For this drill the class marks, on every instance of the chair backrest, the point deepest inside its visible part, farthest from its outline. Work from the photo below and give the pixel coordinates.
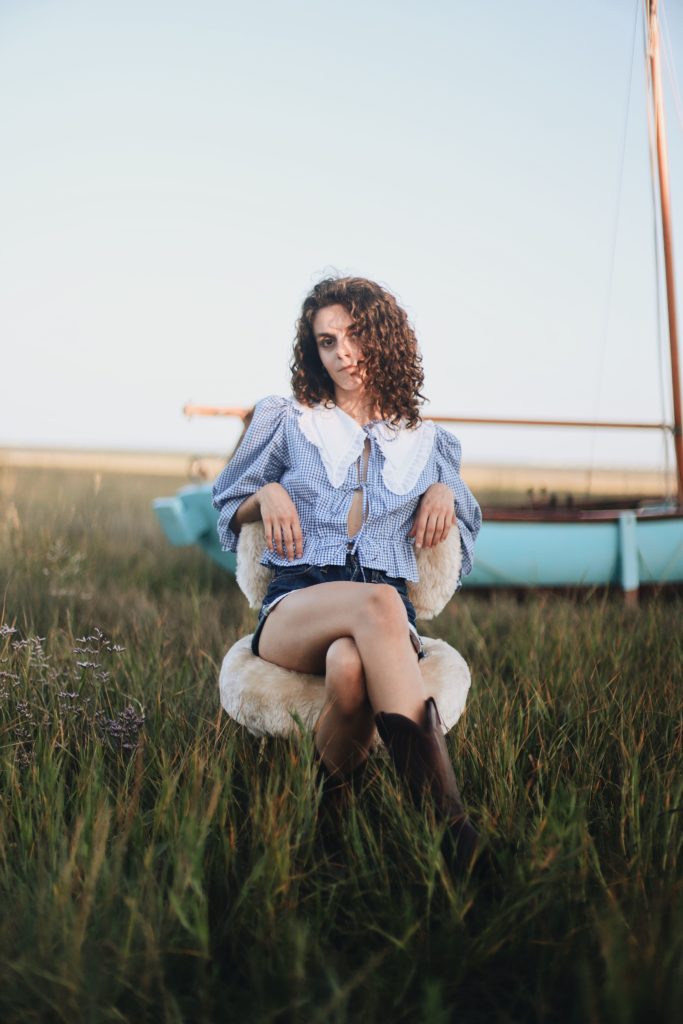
(439, 569)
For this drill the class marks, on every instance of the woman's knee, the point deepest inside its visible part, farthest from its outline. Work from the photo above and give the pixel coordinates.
(345, 678)
(383, 608)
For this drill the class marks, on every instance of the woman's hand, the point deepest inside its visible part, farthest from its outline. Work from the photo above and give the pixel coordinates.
(434, 517)
(281, 525)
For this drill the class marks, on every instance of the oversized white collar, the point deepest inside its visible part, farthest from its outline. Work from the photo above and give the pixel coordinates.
(340, 441)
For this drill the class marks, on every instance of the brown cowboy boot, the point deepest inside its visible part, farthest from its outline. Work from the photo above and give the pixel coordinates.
(421, 759)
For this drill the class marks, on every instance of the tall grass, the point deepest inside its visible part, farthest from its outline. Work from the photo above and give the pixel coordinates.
(157, 863)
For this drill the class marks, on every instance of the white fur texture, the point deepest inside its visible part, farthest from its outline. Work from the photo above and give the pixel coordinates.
(261, 696)
(252, 577)
(439, 569)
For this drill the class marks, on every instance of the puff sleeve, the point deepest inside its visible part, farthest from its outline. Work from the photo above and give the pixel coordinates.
(260, 459)
(467, 511)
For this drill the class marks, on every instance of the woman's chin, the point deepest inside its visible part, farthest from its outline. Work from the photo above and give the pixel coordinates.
(350, 386)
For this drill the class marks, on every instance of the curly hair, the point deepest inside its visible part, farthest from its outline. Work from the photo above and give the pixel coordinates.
(392, 361)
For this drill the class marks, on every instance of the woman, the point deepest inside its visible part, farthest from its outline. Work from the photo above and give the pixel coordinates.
(347, 480)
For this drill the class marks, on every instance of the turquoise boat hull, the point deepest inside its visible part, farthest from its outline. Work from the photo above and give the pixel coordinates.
(628, 548)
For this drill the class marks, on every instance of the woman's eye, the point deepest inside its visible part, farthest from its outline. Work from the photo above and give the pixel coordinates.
(326, 342)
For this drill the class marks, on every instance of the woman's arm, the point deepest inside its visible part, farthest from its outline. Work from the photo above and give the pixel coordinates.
(260, 459)
(465, 505)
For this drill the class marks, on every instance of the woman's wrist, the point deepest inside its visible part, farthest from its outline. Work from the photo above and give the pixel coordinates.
(248, 512)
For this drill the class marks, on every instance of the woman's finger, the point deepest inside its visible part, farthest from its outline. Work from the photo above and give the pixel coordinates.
(418, 529)
(446, 525)
(430, 530)
(445, 522)
(276, 538)
(275, 532)
(298, 539)
(290, 541)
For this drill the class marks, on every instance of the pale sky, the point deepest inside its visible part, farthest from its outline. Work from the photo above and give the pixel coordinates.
(175, 176)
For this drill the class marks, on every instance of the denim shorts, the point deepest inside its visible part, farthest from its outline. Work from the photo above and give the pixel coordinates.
(296, 577)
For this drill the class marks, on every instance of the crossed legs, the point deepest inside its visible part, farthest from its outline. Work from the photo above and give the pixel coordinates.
(356, 634)
(346, 723)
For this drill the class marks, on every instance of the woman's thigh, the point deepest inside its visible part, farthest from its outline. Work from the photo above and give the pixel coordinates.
(300, 628)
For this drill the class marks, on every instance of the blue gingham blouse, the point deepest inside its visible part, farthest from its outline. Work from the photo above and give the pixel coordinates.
(315, 454)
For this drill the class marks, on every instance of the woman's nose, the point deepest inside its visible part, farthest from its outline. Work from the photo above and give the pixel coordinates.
(348, 349)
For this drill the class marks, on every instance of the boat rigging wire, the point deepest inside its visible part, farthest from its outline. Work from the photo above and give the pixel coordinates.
(658, 244)
(612, 259)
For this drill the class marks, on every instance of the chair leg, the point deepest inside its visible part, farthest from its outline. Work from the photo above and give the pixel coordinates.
(421, 759)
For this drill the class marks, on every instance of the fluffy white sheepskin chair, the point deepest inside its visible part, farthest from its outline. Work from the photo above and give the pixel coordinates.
(267, 699)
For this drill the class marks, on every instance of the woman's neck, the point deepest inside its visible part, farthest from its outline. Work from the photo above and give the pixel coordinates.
(360, 407)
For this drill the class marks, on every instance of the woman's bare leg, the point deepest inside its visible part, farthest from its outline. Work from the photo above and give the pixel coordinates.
(301, 628)
(346, 724)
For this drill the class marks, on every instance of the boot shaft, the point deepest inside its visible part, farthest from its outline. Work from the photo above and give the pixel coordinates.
(420, 756)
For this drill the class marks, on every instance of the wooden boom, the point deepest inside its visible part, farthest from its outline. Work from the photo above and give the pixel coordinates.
(241, 413)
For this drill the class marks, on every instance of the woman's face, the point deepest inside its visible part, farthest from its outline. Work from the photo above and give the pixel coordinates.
(339, 352)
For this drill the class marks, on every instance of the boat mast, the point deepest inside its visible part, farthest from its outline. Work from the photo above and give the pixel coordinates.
(663, 167)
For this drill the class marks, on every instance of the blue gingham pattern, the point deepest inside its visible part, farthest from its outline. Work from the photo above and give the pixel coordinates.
(275, 450)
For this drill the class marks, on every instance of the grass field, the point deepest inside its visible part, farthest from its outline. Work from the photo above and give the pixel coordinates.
(159, 864)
